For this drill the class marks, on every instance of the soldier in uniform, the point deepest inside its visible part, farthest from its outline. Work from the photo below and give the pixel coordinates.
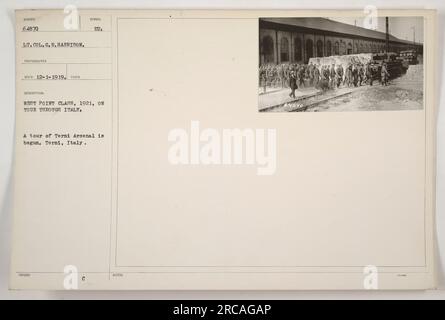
(275, 76)
(287, 70)
(292, 83)
(325, 78)
(263, 77)
(369, 73)
(348, 75)
(307, 75)
(301, 73)
(339, 75)
(311, 74)
(384, 74)
(316, 76)
(355, 75)
(281, 75)
(361, 74)
(332, 74)
(269, 75)
(364, 76)
(297, 74)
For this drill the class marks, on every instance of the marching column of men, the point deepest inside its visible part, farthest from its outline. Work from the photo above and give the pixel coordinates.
(322, 77)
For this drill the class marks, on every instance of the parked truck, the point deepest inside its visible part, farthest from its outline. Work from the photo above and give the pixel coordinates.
(409, 56)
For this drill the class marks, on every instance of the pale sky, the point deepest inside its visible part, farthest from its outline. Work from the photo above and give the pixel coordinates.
(400, 27)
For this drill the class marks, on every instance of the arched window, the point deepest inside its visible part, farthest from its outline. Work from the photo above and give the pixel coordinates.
(349, 48)
(267, 49)
(284, 49)
(336, 48)
(328, 48)
(297, 50)
(356, 48)
(361, 48)
(319, 48)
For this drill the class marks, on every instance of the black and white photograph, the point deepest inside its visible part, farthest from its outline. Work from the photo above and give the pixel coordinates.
(314, 64)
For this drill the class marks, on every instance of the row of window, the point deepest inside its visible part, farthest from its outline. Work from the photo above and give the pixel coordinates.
(337, 49)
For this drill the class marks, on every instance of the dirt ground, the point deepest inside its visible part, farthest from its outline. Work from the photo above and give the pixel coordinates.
(403, 93)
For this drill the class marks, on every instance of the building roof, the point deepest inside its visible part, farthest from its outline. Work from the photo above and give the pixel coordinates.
(334, 26)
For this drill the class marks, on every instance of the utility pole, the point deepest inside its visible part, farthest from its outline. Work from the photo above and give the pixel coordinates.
(387, 34)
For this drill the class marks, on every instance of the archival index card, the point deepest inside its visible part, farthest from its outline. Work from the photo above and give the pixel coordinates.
(223, 150)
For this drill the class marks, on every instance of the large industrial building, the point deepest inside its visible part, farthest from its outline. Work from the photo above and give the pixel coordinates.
(296, 40)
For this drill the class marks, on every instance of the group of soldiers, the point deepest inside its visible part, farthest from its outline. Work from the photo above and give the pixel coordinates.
(322, 77)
